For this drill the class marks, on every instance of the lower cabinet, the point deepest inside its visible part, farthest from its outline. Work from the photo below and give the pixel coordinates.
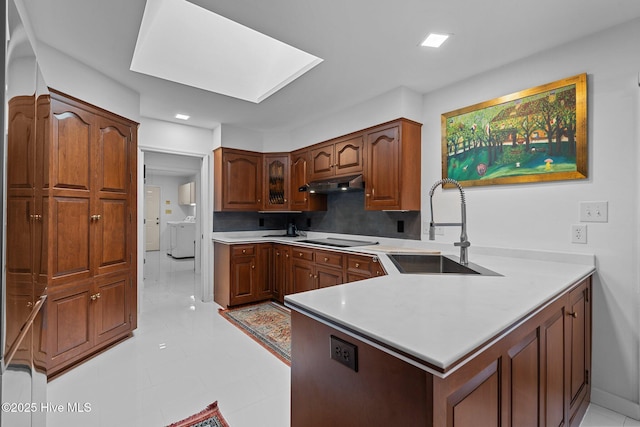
(85, 317)
(253, 272)
(242, 273)
(281, 271)
(535, 375)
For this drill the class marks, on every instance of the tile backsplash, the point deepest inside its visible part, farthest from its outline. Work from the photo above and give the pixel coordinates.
(345, 214)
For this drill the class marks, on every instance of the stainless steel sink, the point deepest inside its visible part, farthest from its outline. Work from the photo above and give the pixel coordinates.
(436, 264)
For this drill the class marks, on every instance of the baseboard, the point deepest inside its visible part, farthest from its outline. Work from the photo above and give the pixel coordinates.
(615, 403)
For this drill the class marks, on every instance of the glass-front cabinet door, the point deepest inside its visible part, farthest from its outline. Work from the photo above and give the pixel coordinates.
(276, 188)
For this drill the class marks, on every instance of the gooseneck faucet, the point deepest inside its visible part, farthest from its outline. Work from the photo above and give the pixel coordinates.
(463, 243)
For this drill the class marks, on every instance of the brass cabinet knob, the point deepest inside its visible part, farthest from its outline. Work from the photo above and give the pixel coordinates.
(285, 200)
(357, 264)
(368, 195)
(244, 251)
(277, 253)
(300, 254)
(253, 266)
(310, 275)
(287, 255)
(326, 259)
(574, 314)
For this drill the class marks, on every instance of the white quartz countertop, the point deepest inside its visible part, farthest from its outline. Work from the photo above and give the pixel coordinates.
(438, 321)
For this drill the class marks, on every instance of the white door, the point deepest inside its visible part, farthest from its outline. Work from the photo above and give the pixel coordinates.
(152, 218)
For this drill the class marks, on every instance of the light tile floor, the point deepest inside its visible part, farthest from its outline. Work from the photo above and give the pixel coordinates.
(182, 357)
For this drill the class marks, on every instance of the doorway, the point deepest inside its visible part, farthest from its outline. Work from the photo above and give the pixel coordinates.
(152, 217)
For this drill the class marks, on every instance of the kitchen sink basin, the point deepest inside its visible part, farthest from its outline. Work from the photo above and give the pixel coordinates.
(436, 264)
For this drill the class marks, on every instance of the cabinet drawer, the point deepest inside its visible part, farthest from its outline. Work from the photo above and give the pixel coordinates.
(239, 250)
(329, 259)
(360, 264)
(301, 253)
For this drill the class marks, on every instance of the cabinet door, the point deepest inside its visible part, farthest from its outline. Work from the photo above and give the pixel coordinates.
(276, 182)
(71, 139)
(112, 307)
(69, 323)
(264, 284)
(243, 279)
(382, 183)
(302, 200)
(326, 276)
(281, 272)
(349, 156)
(242, 181)
(552, 378)
(302, 276)
(523, 367)
(322, 162)
(579, 360)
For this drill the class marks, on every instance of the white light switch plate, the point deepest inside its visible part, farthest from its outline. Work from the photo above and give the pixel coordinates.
(594, 211)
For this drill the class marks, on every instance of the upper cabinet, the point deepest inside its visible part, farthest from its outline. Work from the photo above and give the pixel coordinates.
(187, 194)
(392, 174)
(303, 200)
(276, 182)
(237, 180)
(387, 156)
(338, 157)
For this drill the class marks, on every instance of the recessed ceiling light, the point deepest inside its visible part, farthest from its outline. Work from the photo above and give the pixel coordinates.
(434, 40)
(182, 116)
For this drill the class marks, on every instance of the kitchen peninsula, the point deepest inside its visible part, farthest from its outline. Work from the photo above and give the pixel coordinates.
(445, 350)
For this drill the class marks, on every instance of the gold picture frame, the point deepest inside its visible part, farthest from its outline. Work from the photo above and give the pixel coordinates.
(535, 135)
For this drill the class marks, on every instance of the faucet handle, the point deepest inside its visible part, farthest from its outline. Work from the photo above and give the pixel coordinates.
(463, 244)
(432, 232)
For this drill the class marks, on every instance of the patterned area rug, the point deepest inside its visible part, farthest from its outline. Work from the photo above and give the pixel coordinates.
(267, 323)
(209, 417)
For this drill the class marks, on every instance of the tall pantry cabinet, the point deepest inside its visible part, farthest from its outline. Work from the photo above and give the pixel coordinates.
(84, 205)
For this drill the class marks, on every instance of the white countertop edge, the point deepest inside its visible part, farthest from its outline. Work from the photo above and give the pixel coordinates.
(365, 340)
(231, 237)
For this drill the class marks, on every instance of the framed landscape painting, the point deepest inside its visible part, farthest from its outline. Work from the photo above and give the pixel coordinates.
(538, 134)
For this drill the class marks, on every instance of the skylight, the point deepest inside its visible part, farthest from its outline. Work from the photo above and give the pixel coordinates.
(187, 44)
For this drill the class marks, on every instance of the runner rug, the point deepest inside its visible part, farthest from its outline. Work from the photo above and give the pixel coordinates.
(209, 417)
(267, 323)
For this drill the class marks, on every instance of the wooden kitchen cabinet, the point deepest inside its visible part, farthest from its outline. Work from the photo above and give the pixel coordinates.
(535, 374)
(281, 271)
(78, 192)
(339, 157)
(314, 269)
(242, 273)
(276, 181)
(85, 315)
(360, 267)
(392, 173)
(303, 200)
(237, 180)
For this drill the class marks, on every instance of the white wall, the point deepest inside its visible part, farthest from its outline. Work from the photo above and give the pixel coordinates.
(72, 77)
(539, 216)
(170, 210)
(400, 102)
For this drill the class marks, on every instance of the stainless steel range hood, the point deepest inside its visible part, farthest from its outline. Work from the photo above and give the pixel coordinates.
(345, 183)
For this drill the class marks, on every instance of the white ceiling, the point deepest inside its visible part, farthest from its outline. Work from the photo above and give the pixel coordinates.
(369, 47)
